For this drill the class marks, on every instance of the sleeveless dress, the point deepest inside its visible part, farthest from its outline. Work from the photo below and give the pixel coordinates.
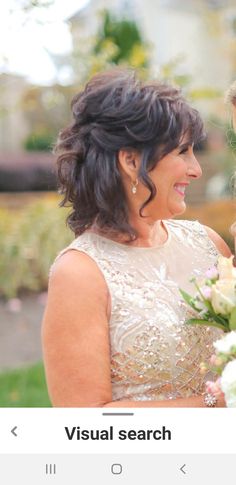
(154, 354)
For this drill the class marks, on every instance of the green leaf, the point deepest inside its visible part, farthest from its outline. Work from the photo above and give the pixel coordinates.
(219, 319)
(232, 320)
(198, 321)
(188, 299)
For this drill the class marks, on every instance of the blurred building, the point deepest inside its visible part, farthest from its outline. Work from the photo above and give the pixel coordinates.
(13, 124)
(202, 31)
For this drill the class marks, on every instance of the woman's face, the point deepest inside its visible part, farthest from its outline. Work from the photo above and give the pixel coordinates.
(172, 174)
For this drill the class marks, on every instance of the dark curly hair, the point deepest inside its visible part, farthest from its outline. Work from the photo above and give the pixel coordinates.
(117, 111)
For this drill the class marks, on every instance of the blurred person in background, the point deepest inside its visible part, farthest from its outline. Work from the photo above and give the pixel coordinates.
(114, 332)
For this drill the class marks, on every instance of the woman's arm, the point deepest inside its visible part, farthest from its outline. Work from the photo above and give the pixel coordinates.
(75, 334)
(220, 244)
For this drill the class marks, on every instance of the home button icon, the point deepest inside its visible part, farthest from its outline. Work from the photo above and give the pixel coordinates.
(116, 468)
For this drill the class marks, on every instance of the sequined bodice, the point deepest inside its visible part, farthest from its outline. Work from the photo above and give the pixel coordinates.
(154, 355)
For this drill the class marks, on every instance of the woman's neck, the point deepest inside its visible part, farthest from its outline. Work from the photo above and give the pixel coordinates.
(149, 235)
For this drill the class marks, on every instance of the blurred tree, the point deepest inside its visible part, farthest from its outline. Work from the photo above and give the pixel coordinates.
(126, 37)
(40, 141)
(118, 41)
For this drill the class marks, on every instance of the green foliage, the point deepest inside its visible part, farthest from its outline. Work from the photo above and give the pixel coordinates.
(25, 387)
(171, 72)
(231, 137)
(125, 36)
(205, 92)
(118, 41)
(29, 241)
(232, 321)
(224, 157)
(39, 142)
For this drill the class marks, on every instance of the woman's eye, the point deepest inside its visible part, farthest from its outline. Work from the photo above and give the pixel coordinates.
(183, 151)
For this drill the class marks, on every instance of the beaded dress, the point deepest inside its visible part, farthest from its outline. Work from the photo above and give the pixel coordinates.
(154, 354)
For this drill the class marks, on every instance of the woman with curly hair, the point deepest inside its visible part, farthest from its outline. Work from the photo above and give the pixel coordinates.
(114, 330)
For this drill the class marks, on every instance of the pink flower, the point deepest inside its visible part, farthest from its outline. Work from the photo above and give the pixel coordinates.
(212, 273)
(206, 291)
(214, 387)
(213, 359)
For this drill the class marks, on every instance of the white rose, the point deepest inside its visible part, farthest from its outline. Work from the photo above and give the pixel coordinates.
(225, 268)
(226, 344)
(228, 384)
(223, 296)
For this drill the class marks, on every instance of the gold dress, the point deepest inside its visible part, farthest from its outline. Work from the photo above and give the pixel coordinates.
(154, 354)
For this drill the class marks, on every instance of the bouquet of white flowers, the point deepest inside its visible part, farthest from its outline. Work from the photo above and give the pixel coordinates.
(223, 362)
(214, 304)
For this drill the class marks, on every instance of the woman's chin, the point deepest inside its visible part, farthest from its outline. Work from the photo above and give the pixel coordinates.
(180, 209)
(172, 211)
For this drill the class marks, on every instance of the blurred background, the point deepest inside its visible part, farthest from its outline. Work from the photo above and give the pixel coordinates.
(48, 50)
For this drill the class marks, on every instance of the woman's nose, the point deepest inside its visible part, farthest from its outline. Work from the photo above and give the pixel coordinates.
(194, 168)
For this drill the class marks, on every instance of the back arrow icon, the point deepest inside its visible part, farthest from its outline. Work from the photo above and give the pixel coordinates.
(13, 430)
(182, 469)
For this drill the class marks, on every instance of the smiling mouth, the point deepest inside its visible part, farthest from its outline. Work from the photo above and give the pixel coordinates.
(180, 189)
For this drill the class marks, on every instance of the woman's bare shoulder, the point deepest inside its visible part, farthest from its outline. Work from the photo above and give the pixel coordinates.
(75, 262)
(219, 242)
(79, 271)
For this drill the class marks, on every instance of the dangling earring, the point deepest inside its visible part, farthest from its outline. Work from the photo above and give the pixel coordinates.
(134, 186)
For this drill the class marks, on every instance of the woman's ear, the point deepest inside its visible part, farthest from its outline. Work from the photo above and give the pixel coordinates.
(129, 162)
